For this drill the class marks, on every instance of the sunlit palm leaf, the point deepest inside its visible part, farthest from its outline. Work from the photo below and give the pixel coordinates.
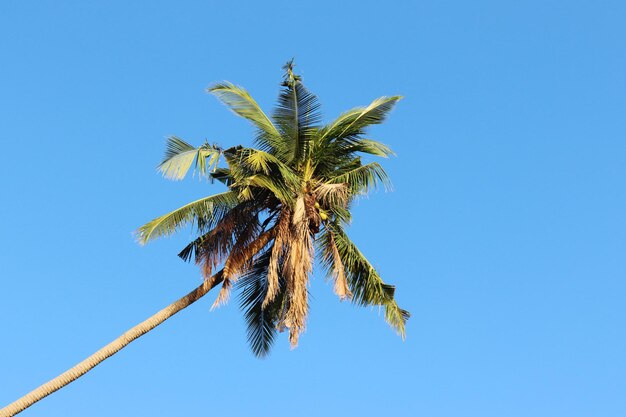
(269, 164)
(371, 147)
(207, 209)
(363, 179)
(180, 156)
(364, 281)
(278, 188)
(240, 102)
(353, 122)
(297, 115)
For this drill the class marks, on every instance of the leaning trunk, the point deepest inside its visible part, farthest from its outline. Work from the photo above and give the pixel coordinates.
(110, 349)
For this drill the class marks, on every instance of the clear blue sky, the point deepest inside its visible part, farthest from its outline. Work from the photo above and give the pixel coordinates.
(505, 235)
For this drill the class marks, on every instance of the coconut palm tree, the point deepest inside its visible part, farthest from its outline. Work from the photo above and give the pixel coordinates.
(287, 199)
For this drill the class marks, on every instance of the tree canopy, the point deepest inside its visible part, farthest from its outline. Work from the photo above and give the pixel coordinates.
(288, 200)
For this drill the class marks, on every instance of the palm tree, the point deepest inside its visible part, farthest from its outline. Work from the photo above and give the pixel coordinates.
(286, 200)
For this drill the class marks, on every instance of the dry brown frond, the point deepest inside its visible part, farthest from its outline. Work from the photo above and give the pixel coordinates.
(332, 194)
(299, 212)
(216, 244)
(297, 267)
(240, 259)
(339, 273)
(238, 253)
(313, 216)
(223, 296)
(282, 237)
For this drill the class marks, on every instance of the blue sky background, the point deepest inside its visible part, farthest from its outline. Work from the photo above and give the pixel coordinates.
(505, 234)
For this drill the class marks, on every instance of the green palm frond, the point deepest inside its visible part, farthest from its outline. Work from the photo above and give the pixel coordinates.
(261, 322)
(353, 122)
(371, 147)
(341, 214)
(244, 162)
(363, 179)
(364, 281)
(262, 161)
(278, 188)
(222, 175)
(206, 209)
(259, 161)
(252, 168)
(297, 115)
(269, 164)
(242, 104)
(179, 156)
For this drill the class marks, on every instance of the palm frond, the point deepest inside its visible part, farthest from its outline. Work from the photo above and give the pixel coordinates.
(241, 259)
(364, 281)
(242, 104)
(217, 240)
(180, 156)
(254, 168)
(345, 154)
(222, 175)
(332, 194)
(297, 115)
(331, 259)
(363, 179)
(272, 184)
(207, 209)
(262, 161)
(353, 122)
(277, 255)
(269, 164)
(260, 320)
(371, 147)
(245, 250)
(297, 266)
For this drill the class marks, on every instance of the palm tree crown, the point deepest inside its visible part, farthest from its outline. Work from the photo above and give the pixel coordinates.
(287, 200)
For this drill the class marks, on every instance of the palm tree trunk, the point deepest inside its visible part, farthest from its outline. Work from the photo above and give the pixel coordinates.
(110, 349)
